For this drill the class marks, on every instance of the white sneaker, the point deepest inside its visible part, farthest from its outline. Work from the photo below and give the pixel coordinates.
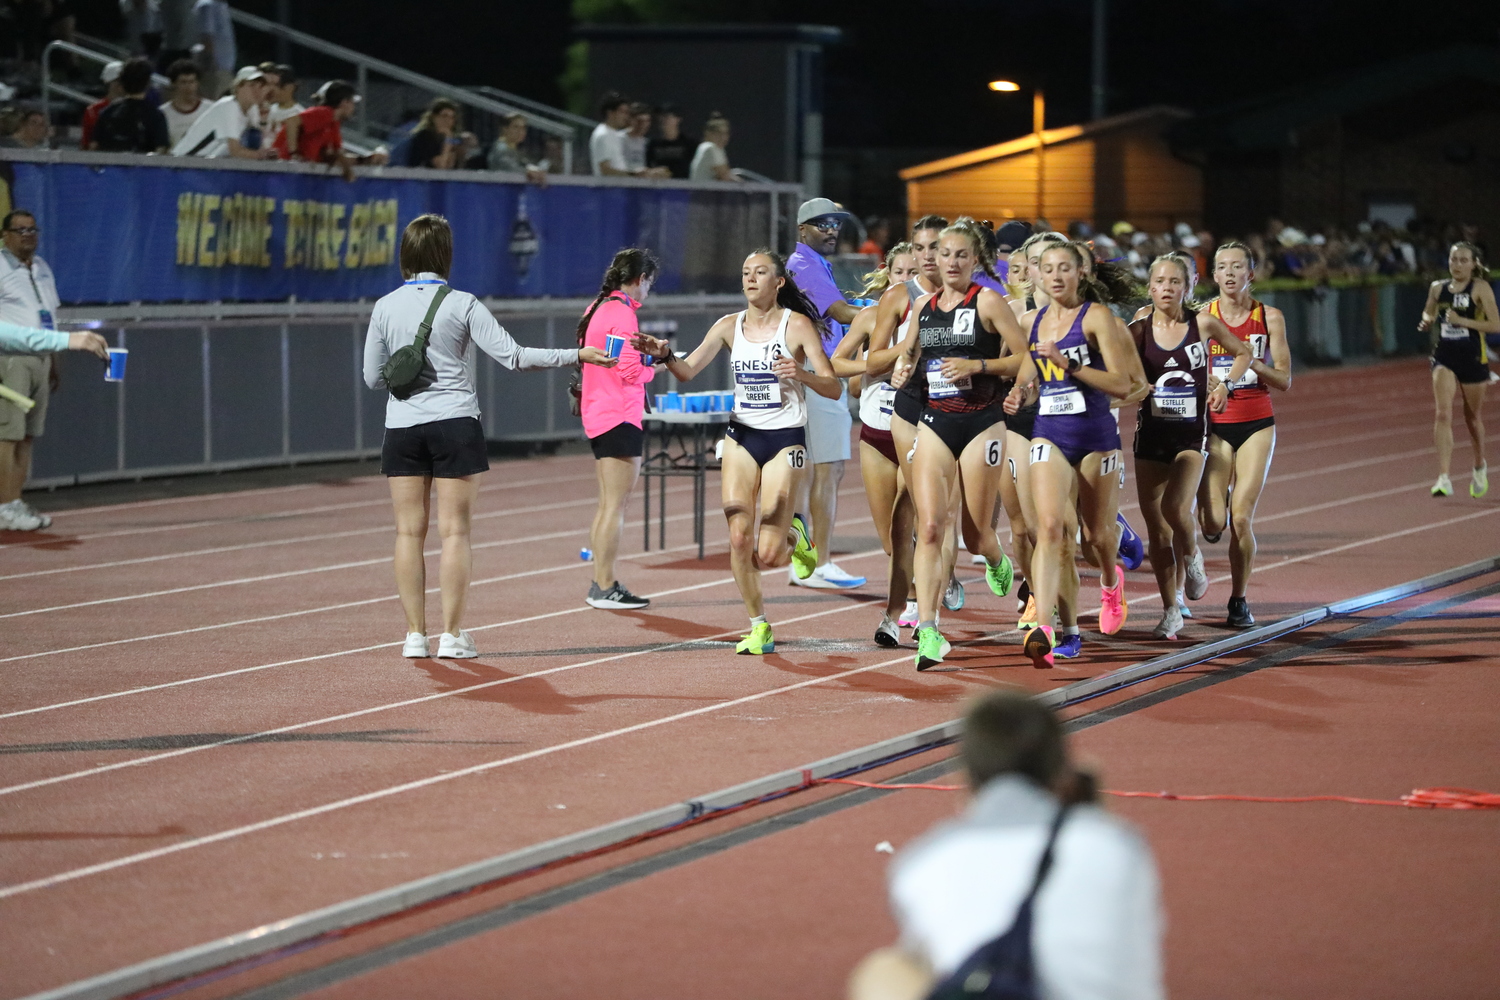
(829, 577)
(44, 518)
(887, 634)
(1197, 580)
(1169, 626)
(456, 647)
(910, 616)
(15, 517)
(416, 646)
(1443, 487)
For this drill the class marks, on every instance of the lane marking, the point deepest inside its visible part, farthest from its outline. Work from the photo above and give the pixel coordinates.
(421, 783)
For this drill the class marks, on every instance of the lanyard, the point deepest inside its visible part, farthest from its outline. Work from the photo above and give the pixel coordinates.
(426, 281)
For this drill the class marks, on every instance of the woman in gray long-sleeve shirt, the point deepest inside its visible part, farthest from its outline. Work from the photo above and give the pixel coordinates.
(434, 432)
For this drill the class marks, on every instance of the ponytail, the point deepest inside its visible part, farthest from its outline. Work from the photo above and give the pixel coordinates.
(629, 266)
(878, 280)
(789, 296)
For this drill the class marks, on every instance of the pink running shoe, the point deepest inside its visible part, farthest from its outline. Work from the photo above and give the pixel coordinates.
(1038, 646)
(1112, 607)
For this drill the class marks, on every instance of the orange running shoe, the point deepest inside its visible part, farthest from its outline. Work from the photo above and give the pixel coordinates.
(1038, 646)
(1112, 607)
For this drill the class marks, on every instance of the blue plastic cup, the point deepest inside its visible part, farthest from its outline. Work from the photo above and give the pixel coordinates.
(117, 358)
(674, 401)
(715, 402)
(726, 401)
(613, 345)
(661, 402)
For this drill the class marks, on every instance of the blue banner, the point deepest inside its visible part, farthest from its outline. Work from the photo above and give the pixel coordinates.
(118, 234)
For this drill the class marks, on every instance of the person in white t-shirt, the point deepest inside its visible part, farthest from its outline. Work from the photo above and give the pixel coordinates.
(1096, 919)
(710, 162)
(220, 130)
(634, 139)
(187, 103)
(281, 93)
(607, 145)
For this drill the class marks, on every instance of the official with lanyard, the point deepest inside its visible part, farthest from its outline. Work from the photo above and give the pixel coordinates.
(28, 298)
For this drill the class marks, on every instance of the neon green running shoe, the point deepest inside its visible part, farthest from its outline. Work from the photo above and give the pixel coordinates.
(931, 647)
(1000, 575)
(804, 555)
(1480, 484)
(758, 641)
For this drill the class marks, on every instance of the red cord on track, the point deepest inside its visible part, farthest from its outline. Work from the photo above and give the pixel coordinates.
(1421, 798)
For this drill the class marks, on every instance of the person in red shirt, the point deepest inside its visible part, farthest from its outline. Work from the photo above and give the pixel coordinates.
(110, 77)
(315, 135)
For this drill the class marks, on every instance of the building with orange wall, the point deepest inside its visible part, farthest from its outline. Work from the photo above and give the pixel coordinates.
(1108, 170)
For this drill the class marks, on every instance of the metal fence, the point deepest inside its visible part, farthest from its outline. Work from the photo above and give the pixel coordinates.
(213, 394)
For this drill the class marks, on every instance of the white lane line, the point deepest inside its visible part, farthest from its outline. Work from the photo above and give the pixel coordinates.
(270, 516)
(223, 835)
(423, 699)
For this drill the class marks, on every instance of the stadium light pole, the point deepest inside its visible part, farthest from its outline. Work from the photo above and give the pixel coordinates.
(1038, 128)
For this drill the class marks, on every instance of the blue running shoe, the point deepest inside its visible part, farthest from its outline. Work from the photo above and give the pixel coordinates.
(1068, 646)
(1132, 551)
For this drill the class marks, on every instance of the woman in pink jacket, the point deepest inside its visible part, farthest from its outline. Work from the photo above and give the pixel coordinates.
(613, 403)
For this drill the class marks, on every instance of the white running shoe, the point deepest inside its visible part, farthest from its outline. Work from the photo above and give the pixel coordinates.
(887, 634)
(1169, 626)
(910, 616)
(44, 518)
(953, 595)
(15, 517)
(415, 647)
(829, 577)
(456, 647)
(1479, 485)
(1443, 487)
(1197, 580)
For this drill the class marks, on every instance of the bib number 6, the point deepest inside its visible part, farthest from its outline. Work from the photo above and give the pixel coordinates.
(994, 450)
(797, 458)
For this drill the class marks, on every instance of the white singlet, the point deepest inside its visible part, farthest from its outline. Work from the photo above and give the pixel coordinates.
(761, 400)
(876, 404)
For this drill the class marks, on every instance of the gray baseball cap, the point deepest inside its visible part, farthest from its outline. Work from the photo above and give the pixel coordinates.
(816, 208)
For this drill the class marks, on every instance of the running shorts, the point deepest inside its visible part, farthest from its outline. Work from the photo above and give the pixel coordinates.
(620, 441)
(443, 449)
(1235, 435)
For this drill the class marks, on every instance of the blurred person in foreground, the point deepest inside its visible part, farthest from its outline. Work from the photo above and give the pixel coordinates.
(315, 135)
(187, 102)
(1070, 890)
(711, 162)
(132, 124)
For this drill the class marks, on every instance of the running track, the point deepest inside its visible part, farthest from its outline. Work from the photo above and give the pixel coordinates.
(207, 726)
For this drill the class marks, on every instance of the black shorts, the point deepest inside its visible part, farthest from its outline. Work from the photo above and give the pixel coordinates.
(958, 429)
(443, 449)
(1022, 420)
(620, 441)
(908, 407)
(766, 445)
(1235, 435)
(1459, 357)
(1159, 441)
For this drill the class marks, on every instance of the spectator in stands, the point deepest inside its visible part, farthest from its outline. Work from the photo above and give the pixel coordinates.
(437, 143)
(710, 162)
(131, 124)
(30, 132)
(315, 136)
(28, 297)
(187, 101)
(607, 143)
(215, 47)
(634, 140)
(219, 131)
(877, 237)
(142, 26)
(1096, 920)
(281, 93)
(506, 155)
(110, 77)
(672, 148)
(176, 31)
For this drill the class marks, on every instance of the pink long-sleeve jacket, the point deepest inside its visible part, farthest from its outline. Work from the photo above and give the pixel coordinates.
(614, 396)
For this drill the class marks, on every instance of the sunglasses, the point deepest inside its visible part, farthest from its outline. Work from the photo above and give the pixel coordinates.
(23, 230)
(824, 225)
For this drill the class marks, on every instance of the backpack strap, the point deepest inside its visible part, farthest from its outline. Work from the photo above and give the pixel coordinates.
(425, 330)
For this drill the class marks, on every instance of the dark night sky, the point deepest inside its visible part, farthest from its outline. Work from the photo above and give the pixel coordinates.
(913, 73)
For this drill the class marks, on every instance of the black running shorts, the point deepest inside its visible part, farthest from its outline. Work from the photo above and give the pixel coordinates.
(443, 449)
(620, 441)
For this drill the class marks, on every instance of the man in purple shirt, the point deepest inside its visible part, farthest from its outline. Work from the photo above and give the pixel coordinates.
(828, 421)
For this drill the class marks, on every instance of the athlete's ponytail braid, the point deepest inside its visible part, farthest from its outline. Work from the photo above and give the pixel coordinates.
(790, 296)
(629, 266)
(978, 238)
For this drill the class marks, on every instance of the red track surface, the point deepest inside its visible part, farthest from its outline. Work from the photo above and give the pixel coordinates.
(207, 727)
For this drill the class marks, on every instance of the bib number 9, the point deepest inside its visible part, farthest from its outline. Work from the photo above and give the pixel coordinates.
(797, 458)
(994, 450)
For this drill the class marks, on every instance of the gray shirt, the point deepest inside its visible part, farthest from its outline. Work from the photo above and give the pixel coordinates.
(461, 323)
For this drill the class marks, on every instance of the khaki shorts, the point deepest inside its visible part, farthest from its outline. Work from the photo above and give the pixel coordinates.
(26, 374)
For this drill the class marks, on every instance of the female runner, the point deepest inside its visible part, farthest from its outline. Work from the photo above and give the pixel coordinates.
(1242, 439)
(1083, 357)
(960, 443)
(1172, 429)
(1464, 316)
(765, 448)
(890, 502)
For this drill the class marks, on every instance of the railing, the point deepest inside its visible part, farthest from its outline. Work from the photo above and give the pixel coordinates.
(364, 65)
(49, 86)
